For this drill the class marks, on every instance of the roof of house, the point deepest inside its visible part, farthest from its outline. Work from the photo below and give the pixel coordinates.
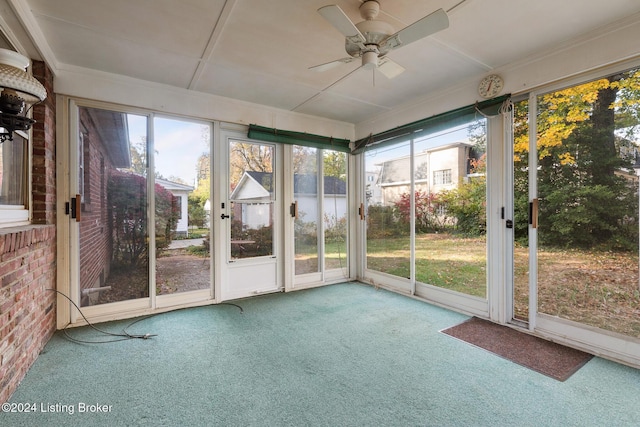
(174, 186)
(302, 183)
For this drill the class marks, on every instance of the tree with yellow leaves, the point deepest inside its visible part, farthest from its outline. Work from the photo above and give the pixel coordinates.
(585, 149)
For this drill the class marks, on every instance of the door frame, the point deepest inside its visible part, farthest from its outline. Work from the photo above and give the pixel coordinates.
(68, 256)
(231, 270)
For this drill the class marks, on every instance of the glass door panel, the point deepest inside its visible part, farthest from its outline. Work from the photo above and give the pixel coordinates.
(388, 178)
(113, 221)
(450, 209)
(587, 143)
(335, 210)
(306, 188)
(521, 211)
(182, 183)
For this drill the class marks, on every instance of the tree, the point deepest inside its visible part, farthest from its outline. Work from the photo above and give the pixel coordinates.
(127, 198)
(245, 156)
(467, 203)
(585, 199)
(196, 202)
(335, 164)
(427, 218)
(138, 151)
(304, 160)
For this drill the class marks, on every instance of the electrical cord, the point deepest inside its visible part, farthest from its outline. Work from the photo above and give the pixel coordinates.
(124, 336)
(117, 336)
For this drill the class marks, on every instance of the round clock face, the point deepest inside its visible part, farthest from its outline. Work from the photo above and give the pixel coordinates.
(490, 86)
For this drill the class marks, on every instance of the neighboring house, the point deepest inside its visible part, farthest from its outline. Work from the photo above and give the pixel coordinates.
(373, 193)
(181, 193)
(252, 197)
(305, 192)
(436, 169)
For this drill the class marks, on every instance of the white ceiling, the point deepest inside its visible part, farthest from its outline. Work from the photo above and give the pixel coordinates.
(261, 50)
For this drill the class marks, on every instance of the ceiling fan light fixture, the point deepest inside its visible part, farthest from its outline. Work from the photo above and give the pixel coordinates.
(17, 88)
(370, 59)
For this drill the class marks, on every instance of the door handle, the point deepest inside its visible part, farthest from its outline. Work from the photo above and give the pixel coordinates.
(293, 209)
(76, 207)
(533, 213)
(223, 216)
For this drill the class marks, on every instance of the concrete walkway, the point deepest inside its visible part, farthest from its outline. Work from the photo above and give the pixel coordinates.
(185, 243)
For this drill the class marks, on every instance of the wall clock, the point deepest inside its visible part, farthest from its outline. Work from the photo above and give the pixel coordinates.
(490, 86)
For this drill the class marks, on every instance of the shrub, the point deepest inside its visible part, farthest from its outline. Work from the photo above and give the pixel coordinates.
(127, 198)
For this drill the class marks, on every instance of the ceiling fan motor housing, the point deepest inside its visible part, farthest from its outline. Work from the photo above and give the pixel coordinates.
(374, 33)
(371, 39)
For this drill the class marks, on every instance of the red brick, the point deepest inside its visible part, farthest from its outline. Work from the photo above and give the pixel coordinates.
(28, 257)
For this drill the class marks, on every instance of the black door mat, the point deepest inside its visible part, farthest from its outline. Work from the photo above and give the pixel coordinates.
(545, 357)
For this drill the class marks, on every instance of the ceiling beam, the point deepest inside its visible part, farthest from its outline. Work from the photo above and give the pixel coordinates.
(211, 44)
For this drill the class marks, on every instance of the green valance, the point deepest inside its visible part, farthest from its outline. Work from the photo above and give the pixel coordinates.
(262, 133)
(431, 124)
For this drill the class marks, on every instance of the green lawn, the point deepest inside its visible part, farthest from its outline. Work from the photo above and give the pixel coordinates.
(594, 288)
(442, 260)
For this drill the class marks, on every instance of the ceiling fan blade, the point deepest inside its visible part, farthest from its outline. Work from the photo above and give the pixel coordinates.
(342, 23)
(430, 24)
(389, 68)
(332, 64)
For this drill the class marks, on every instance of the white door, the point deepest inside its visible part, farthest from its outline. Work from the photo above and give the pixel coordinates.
(251, 218)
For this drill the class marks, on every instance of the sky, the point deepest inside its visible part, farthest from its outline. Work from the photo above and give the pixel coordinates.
(436, 139)
(177, 145)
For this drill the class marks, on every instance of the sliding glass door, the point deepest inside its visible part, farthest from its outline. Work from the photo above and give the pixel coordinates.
(426, 220)
(139, 230)
(587, 189)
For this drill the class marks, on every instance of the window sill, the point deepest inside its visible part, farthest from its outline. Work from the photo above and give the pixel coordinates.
(15, 238)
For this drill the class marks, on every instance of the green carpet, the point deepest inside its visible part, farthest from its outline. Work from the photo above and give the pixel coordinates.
(341, 355)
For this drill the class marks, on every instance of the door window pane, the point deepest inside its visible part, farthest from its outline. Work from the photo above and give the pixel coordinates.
(251, 195)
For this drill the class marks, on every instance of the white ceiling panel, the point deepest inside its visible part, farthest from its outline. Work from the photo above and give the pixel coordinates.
(179, 26)
(261, 51)
(337, 107)
(250, 84)
(84, 48)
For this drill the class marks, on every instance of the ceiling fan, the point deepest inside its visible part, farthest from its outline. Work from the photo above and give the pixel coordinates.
(372, 39)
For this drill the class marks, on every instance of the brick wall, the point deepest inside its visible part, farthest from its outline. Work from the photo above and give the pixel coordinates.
(44, 151)
(95, 233)
(28, 257)
(27, 308)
